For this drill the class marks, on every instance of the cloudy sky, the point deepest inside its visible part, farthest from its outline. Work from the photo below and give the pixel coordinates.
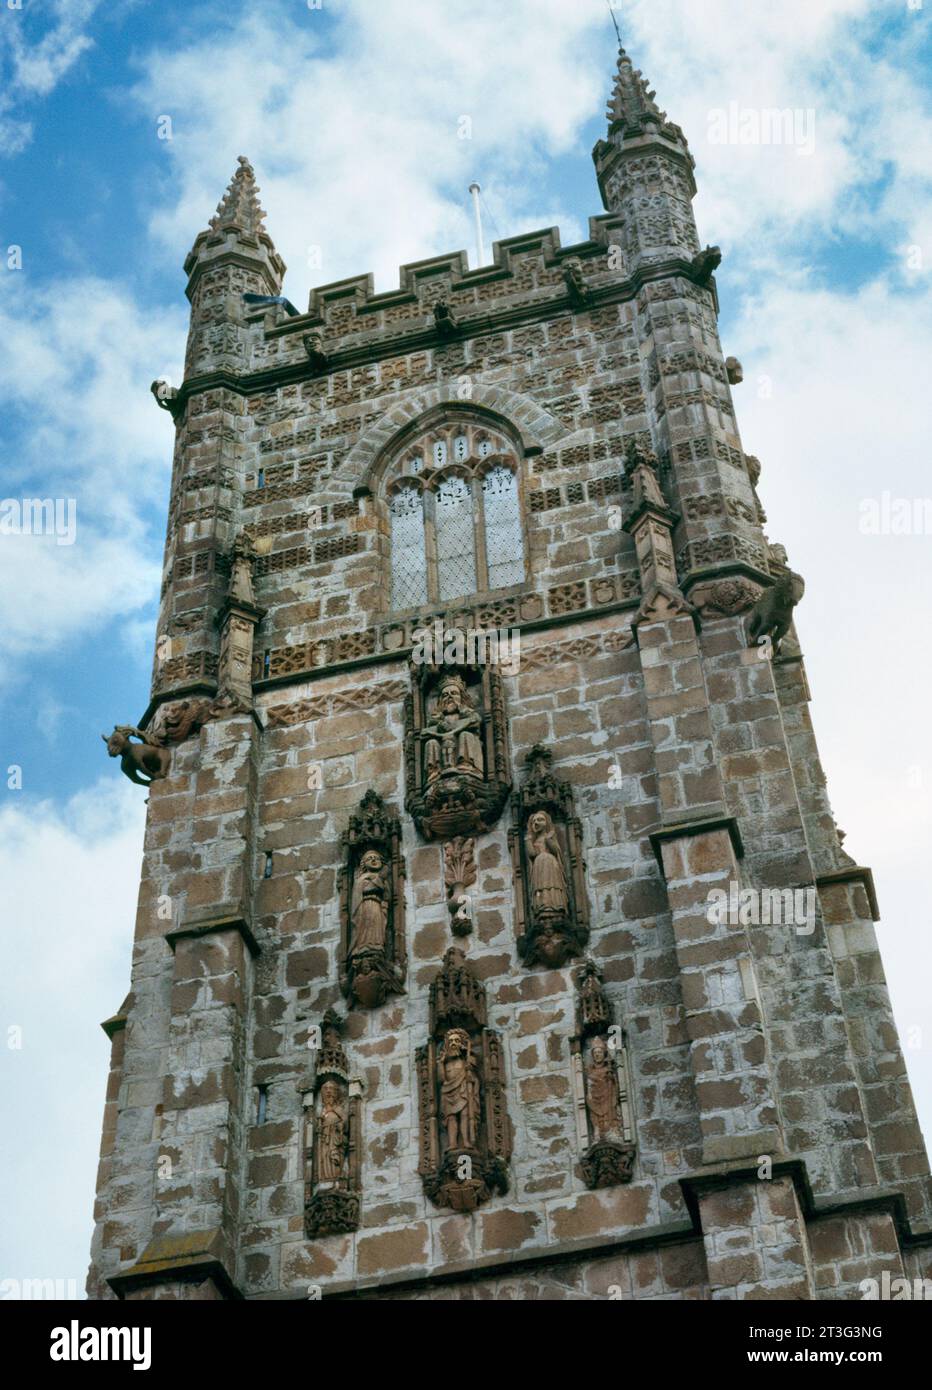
(352, 113)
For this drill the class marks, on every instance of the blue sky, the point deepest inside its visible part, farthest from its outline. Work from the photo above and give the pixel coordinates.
(351, 116)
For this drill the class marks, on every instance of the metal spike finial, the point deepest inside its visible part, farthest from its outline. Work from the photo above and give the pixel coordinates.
(614, 21)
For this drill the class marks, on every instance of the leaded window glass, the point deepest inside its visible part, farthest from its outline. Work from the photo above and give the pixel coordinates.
(456, 554)
(454, 533)
(503, 545)
(409, 562)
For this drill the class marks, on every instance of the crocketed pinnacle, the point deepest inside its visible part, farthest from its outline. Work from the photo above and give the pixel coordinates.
(239, 207)
(631, 98)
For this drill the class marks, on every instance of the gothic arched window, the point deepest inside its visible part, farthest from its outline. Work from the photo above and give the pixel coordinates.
(453, 501)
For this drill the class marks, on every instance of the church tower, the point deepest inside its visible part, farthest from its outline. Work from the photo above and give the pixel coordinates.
(494, 934)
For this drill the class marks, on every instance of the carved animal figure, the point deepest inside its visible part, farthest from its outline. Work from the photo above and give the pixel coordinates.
(136, 758)
(773, 612)
(706, 263)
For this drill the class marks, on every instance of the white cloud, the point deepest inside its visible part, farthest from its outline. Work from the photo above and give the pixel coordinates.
(70, 879)
(77, 362)
(358, 152)
(32, 68)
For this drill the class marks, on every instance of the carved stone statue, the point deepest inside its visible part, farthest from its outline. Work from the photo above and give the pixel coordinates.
(372, 906)
(465, 1133)
(601, 1085)
(451, 740)
(332, 1102)
(459, 1090)
(772, 614)
(602, 1090)
(545, 841)
(241, 587)
(331, 1153)
(138, 758)
(370, 903)
(457, 763)
(549, 897)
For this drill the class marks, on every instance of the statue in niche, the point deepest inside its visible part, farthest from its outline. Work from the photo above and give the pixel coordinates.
(465, 1132)
(372, 906)
(451, 738)
(370, 903)
(601, 1086)
(549, 896)
(331, 1124)
(459, 1090)
(457, 765)
(143, 762)
(545, 840)
(332, 1101)
(602, 1091)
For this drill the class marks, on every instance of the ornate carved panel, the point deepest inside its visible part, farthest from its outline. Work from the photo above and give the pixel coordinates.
(373, 954)
(601, 1086)
(332, 1138)
(457, 764)
(465, 1131)
(545, 840)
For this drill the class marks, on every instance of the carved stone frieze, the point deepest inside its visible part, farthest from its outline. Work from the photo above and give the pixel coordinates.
(726, 597)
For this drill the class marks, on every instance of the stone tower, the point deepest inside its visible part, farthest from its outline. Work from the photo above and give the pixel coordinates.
(495, 937)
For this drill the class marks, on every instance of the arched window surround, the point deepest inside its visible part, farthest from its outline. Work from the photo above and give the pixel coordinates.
(498, 561)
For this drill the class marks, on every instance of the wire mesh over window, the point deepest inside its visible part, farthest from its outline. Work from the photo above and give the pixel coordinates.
(503, 543)
(409, 563)
(456, 558)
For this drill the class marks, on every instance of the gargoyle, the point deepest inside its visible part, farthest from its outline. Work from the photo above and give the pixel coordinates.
(314, 347)
(136, 758)
(576, 286)
(167, 396)
(444, 318)
(706, 263)
(773, 612)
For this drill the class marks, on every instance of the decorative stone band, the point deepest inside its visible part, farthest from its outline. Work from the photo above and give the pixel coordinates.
(396, 636)
(389, 691)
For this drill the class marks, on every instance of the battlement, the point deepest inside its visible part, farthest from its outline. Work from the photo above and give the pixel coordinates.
(526, 271)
